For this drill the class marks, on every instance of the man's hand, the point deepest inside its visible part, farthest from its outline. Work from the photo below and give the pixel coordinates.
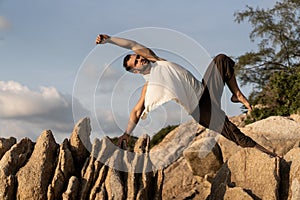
(101, 38)
(125, 137)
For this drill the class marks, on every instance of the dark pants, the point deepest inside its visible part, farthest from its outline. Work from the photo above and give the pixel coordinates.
(212, 116)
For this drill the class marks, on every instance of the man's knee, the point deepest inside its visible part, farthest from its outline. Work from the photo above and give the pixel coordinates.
(225, 66)
(220, 57)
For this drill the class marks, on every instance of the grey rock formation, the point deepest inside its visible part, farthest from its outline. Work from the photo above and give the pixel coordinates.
(80, 144)
(35, 176)
(73, 189)
(190, 163)
(293, 180)
(5, 144)
(254, 171)
(64, 169)
(10, 163)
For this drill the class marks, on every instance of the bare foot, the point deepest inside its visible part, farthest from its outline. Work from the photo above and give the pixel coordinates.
(240, 98)
(234, 99)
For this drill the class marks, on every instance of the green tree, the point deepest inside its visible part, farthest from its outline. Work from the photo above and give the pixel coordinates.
(277, 33)
(280, 96)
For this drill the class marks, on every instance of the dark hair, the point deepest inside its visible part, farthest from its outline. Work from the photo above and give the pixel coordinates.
(125, 60)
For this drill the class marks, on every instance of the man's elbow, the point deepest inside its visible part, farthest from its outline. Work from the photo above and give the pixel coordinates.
(138, 112)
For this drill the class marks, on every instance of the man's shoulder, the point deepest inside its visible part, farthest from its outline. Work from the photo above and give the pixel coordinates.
(164, 62)
(169, 64)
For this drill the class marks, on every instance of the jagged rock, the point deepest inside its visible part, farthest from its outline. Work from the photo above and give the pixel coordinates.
(109, 180)
(145, 182)
(142, 181)
(134, 164)
(10, 163)
(6, 144)
(80, 144)
(72, 191)
(106, 152)
(204, 156)
(101, 194)
(64, 169)
(254, 171)
(159, 177)
(179, 181)
(132, 179)
(7, 189)
(39, 169)
(98, 191)
(114, 185)
(16, 157)
(236, 193)
(88, 172)
(171, 170)
(293, 181)
(142, 145)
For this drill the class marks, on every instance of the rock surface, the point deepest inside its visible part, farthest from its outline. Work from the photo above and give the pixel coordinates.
(64, 169)
(236, 193)
(34, 178)
(258, 175)
(10, 164)
(204, 156)
(292, 157)
(80, 144)
(190, 163)
(6, 144)
(277, 133)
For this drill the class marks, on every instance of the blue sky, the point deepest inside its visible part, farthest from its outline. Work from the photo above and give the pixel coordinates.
(44, 43)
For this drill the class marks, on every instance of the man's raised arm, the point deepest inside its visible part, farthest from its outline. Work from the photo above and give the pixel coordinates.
(128, 44)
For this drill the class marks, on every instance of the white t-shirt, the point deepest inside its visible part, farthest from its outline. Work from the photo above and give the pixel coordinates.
(169, 81)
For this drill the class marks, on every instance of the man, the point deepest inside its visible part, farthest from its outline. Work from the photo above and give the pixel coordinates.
(167, 81)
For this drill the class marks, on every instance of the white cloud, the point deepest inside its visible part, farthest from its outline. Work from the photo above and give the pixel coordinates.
(26, 113)
(18, 101)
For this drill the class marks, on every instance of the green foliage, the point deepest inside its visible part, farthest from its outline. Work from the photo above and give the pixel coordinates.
(273, 68)
(281, 96)
(158, 137)
(277, 32)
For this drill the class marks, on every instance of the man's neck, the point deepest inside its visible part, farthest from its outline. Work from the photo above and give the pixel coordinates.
(147, 69)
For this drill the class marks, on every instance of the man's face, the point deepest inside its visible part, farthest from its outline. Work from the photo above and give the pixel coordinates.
(137, 63)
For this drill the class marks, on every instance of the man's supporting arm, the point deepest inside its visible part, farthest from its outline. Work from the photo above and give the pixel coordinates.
(134, 117)
(136, 112)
